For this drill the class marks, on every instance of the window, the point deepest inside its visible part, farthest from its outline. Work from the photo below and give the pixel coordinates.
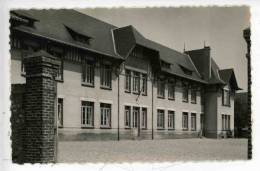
(185, 93)
(127, 80)
(60, 71)
(193, 96)
(144, 118)
(225, 97)
(202, 97)
(136, 82)
(135, 117)
(185, 121)
(161, 89)
(60, 112)
(105, 110)
(88, 73)
(171, 91)
(193, 122)
(87, 114)
(171, 120)
(127, 116)
(106, 76)
(160, 119)
(144, 84)
(225, 122)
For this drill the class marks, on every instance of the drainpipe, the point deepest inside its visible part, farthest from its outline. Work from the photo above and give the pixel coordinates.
(152, 110)
(118, 112)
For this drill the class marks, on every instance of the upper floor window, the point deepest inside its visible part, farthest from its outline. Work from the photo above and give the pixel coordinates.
(185, 93)
(88, 73)
(144, 84)
(202, 97)
(160, 119)
(87, 114)
(106, 76)
(171, 91)
(127, 80)
(225, 97)
(60, 112)
(161, 89)
(136, 82)
(193, 96)
(105, 111)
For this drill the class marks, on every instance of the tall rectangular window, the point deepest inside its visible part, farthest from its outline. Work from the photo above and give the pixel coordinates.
(144, 84)
(171, 120)
(161, 89)
(136, 82)
(185, 93)
(127, 116)
(135, 116)
(88, 73)
(127, 80)
(225, 122)
(87, 114)
(185, 121)
(144, 118)
(105, 111)
(228, 122)
(60, 112)
(106, 76)
(202, 97)
(193, 122)
(171, 91)
(225, 97)
(160, 119)
(193, 96)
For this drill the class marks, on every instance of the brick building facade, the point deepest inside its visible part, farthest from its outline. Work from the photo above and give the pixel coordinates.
(113, 83)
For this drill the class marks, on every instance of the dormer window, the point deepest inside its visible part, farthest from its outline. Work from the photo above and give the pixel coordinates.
(79, 37)
(165, 64)
(21, 18)
(186, 70)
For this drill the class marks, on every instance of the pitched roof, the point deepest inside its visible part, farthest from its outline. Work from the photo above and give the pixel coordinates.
(228, 76)
(51, 25)
(127, 37)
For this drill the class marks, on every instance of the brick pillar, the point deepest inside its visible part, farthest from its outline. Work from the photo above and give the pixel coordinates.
(40, 92)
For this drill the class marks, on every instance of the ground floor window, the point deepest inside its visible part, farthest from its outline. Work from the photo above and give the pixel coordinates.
(225, 122)
(144, 118)
(160, 119)
(105, 110)
(193, 122)
(87, 114)
(135, 117)
(127, 116)
(185, 121)
(171, 120)
(60, 112)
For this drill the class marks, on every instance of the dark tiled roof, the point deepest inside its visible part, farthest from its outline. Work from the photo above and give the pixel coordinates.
(51, 25)
(228, 76)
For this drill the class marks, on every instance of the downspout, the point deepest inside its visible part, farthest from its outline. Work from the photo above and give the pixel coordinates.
(118, 112)
(152, 110)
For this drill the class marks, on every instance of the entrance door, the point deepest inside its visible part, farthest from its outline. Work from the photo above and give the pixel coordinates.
(136, 121)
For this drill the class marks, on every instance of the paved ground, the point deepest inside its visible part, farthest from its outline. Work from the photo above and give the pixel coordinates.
(152, 151)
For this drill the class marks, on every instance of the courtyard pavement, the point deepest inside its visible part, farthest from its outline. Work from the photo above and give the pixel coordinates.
(152, 150)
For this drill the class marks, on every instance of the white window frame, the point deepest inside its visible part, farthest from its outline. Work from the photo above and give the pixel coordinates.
(105, 115)
(225, 97)
(185, 93)
(88, 76)
(171, 91)
(193, 121)
(185, 121)
(87, 114)
(105, 76)
(136, 82)
(160, 119)
(144, 118)
(128, 78)
(171, 119)
(127, 116)
(160, 88)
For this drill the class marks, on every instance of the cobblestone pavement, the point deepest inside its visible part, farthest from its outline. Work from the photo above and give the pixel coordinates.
(152, 150)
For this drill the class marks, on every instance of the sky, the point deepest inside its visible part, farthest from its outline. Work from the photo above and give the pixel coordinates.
(221, 28)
